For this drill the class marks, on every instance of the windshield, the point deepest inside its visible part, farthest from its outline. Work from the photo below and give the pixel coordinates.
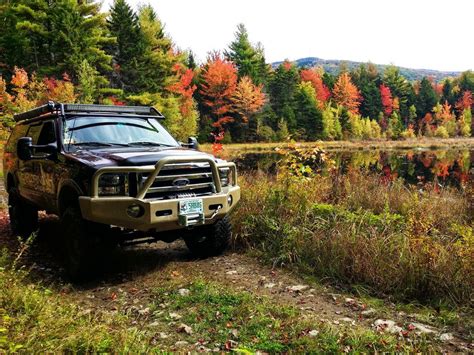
(119, 131)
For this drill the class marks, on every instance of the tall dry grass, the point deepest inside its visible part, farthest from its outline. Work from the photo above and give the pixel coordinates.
(411, 243)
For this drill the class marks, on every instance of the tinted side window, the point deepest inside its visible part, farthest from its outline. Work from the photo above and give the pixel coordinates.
(17, 132)
(47, 134)
(34, 132)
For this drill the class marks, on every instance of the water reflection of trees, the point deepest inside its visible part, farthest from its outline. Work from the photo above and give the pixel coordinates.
(442, 167)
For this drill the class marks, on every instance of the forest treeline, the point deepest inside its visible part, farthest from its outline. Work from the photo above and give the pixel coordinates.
(70, 50)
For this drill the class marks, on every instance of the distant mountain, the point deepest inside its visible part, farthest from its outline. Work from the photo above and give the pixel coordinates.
(332, 66)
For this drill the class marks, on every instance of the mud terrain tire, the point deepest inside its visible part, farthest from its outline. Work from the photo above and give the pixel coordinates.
(210, 240)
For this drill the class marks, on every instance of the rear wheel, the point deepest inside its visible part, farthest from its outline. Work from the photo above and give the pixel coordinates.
(210, 240)
(23, 216)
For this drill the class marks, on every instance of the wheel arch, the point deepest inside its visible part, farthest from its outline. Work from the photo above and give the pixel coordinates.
(68, 195)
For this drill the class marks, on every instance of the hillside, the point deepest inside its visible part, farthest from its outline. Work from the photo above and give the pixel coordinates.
(332, 66)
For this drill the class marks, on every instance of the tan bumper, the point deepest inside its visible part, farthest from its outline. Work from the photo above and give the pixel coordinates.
(159, 215)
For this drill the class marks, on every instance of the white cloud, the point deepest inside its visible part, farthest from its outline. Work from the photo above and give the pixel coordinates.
(427, 34)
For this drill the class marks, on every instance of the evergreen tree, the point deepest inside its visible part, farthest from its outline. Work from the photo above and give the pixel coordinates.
(249, 60)
(309, 117)
(63, 34)
(282, 88)
(426, 98)
(371, 103)
(126, 51)
(400, 88)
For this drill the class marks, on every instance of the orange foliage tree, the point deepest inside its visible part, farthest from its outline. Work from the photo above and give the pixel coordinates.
(465, 101)
(314, 77)
(346, 93)
(219, 81)
(247, 99)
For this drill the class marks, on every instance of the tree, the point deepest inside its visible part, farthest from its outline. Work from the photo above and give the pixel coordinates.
(387, 101)
(219, 81)
(314, 77)
(346, 93)
(426, 98)
(88, 83)
(366, 78)
(331, 125)
(282, 89)
(308, 116)
(400, 87)
(249, 60)
(64, 33)
(124, 24)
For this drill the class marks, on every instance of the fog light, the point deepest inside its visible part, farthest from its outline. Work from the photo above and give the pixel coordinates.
(135, 211)
(229, 200)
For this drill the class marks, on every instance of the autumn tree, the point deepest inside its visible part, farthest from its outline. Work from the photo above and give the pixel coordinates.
(400, 88)
(346, 93)
(218, 84)
(313, 76)
(387, 101)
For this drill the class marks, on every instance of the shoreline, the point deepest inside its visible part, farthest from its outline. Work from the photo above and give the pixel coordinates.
(423, 143)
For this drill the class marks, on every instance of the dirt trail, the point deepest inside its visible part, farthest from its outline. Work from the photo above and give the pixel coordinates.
(131, 274)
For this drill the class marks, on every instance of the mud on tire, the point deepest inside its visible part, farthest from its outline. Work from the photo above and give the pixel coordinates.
(209, 240)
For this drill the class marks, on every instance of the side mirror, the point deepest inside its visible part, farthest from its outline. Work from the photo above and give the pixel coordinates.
(193, 143)
(23, 148)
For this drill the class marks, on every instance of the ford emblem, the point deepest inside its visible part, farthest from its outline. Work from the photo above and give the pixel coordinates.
(179, 182)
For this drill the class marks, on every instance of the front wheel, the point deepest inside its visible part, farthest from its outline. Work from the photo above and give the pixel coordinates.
(210, 240)
(23, 216)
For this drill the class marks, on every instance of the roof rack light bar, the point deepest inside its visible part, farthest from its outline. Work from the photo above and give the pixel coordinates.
(83, 108)
(136, 110)
(36, 112)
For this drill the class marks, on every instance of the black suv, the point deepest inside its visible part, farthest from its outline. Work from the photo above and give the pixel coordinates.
(113, 174)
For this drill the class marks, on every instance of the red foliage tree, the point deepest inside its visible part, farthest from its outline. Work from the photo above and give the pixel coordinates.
(465, 101)
(184, 87)
(387, 101)
(314, 77)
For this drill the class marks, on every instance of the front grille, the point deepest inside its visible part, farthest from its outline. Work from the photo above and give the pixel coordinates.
(178, 180)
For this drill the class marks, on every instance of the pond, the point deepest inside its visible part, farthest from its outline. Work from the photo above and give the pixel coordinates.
(453, 167)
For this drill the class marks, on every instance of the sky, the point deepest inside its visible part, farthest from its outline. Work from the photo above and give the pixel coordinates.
(409, 33)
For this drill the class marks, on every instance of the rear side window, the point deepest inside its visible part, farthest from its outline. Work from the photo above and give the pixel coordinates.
(47, 134)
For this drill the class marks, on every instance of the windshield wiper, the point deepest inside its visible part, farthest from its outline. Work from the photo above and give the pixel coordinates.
(98, 144)
(151, 143)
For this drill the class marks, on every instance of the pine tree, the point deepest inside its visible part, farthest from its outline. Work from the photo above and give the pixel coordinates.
(126, 51)
(249, 60)
(367, 82)
(309, 117)
(282, 88)
(400, 88)
(426, 98)
(63, 34)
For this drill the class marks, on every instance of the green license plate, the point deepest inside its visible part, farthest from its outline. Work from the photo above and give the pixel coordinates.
(187, 207)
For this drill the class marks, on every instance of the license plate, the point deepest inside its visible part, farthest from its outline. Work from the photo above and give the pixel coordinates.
(187, 207)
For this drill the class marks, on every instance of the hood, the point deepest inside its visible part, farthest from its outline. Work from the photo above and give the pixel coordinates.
(133, 157)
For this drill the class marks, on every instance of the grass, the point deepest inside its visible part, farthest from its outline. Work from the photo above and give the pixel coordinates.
(358, 229)
(34, 318)
(422, 143)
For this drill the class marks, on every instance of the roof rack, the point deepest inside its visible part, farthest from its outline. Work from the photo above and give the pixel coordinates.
(50, 107)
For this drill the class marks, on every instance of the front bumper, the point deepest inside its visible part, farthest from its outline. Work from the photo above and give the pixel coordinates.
(159, 215)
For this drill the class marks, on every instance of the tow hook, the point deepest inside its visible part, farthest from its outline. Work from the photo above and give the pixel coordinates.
(216, 211)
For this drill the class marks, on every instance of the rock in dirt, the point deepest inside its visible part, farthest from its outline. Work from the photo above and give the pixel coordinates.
(231, 272)
(313, 333)
(183, 292)
(269, 285)
(181, 343)
(175, 316)
(386, 325)
(183, 328)
(422, 328)
(368, 312)
(446, 337)
(297, 288)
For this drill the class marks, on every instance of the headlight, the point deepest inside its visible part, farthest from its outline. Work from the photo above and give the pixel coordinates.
(225, 175)
(113, 185)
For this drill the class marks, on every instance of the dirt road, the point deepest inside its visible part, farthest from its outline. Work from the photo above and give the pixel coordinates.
(127, 280)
